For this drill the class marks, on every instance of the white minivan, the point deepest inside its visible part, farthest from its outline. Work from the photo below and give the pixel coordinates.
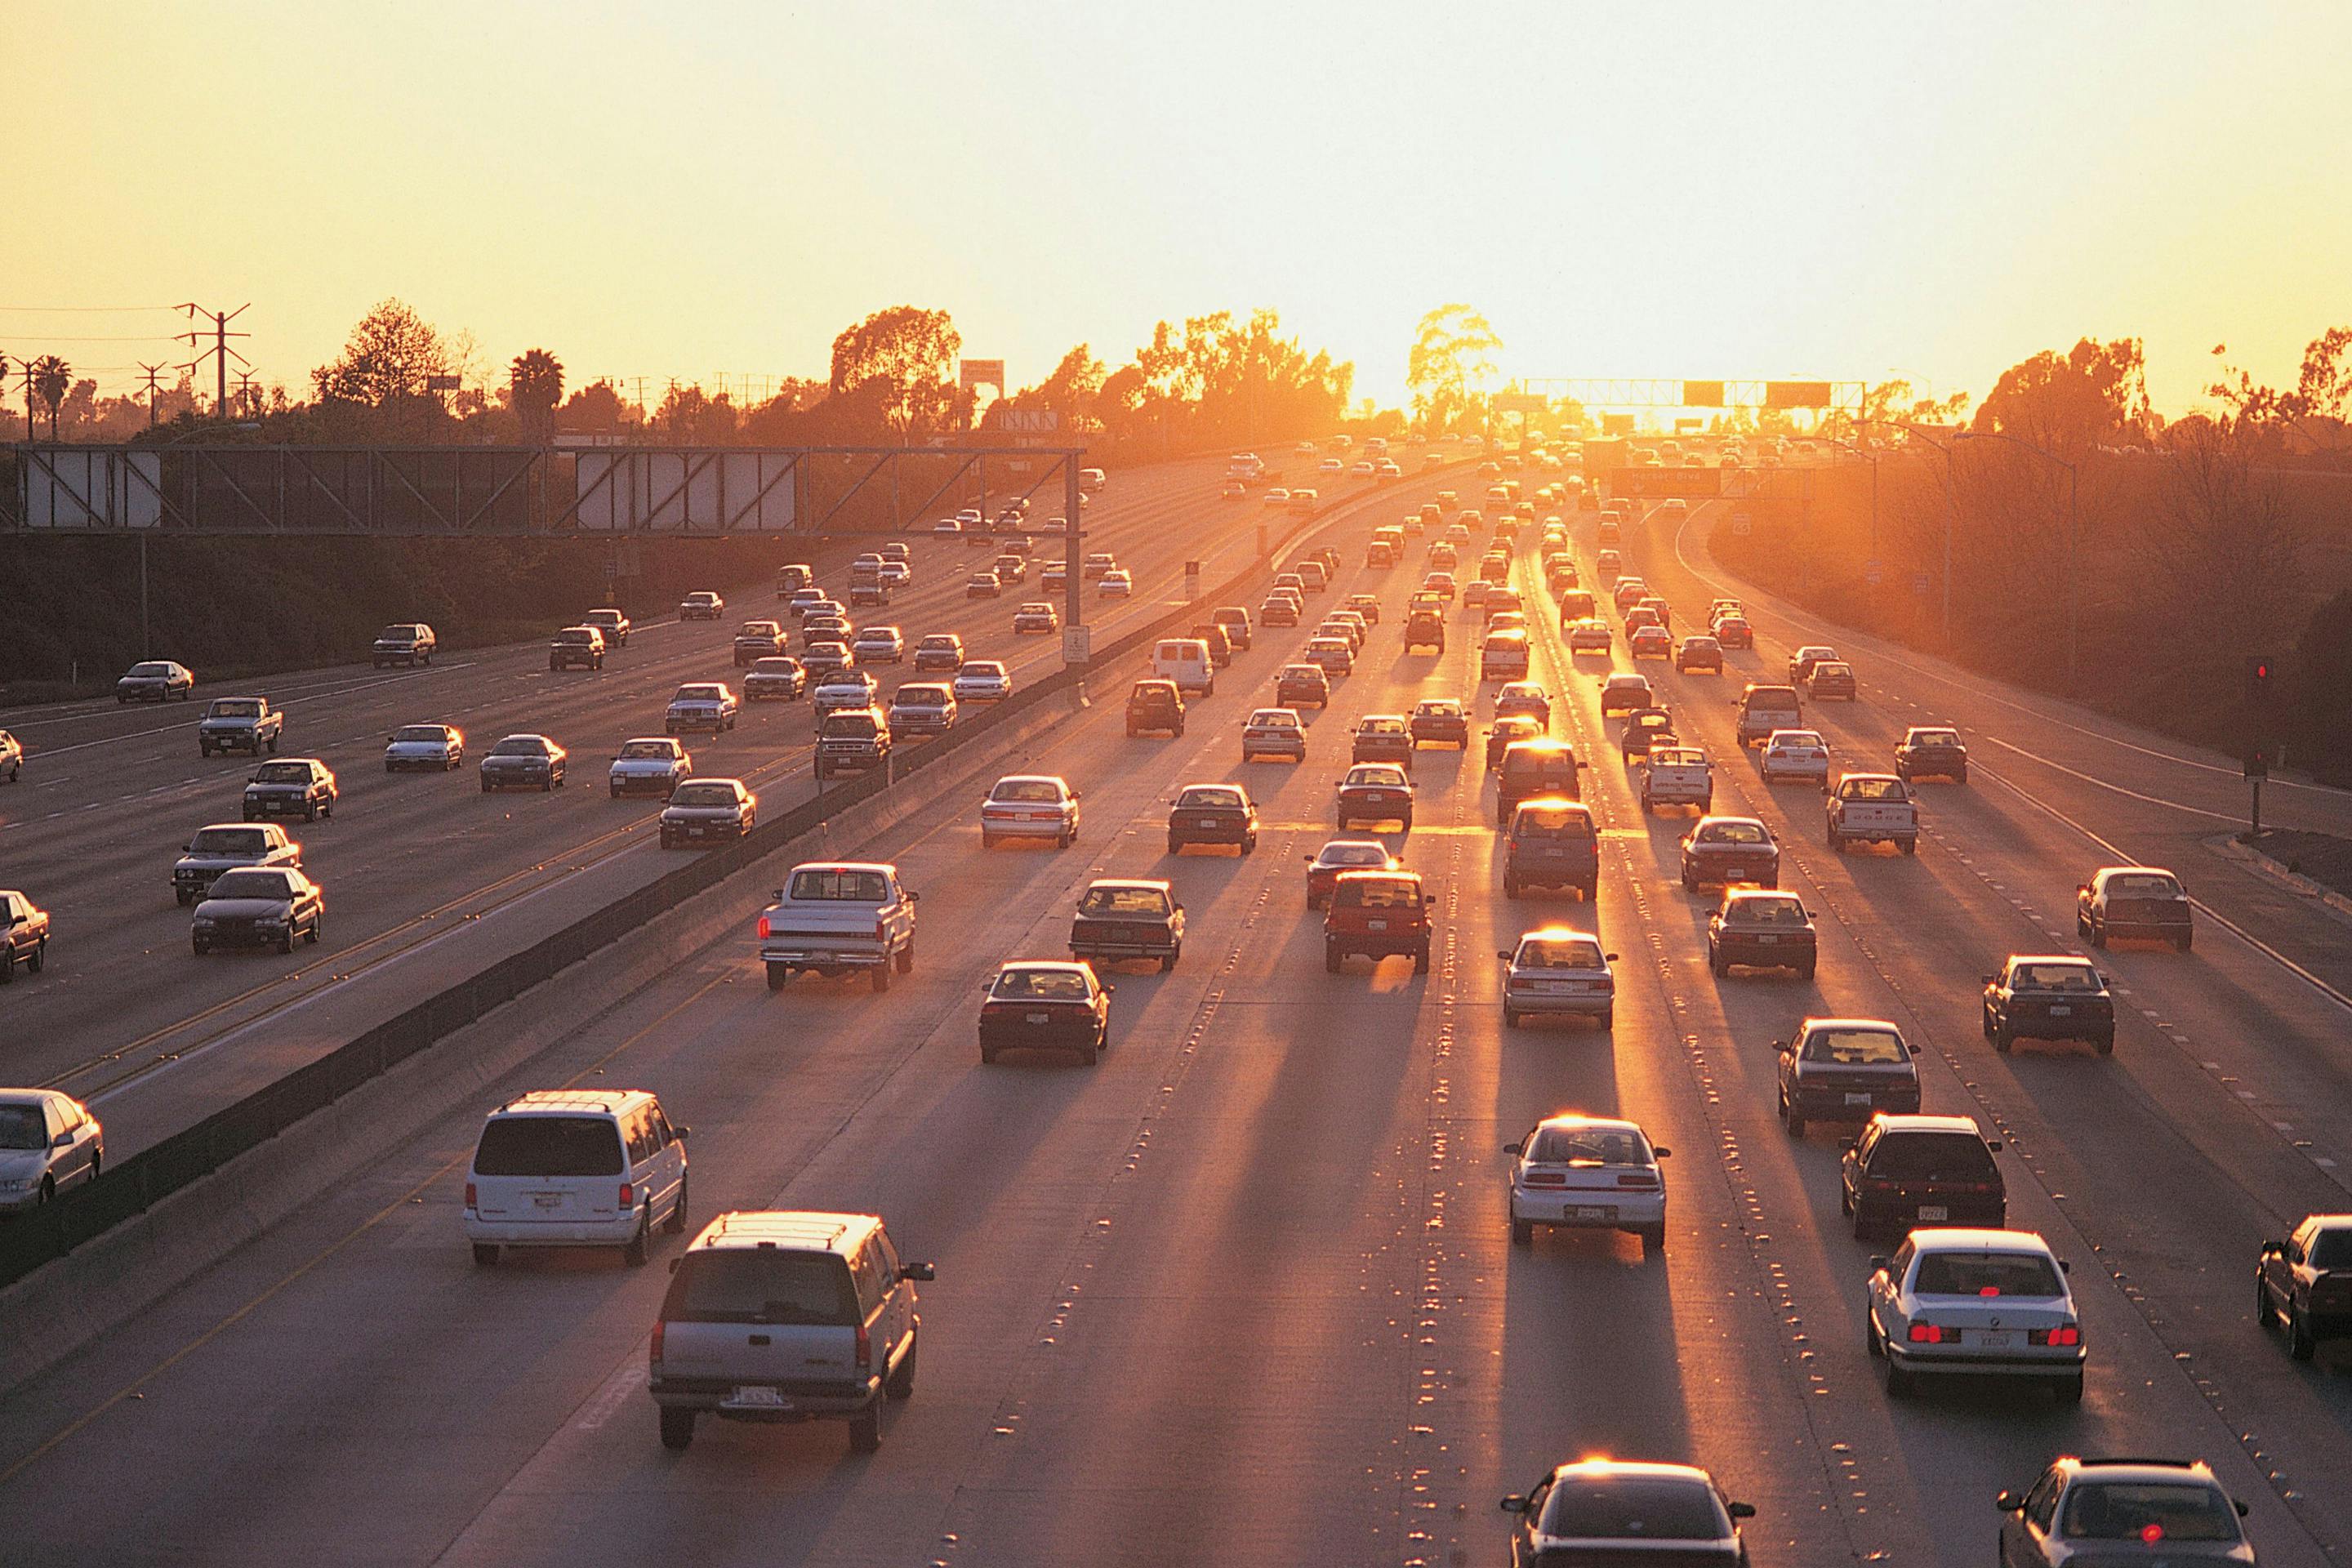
(1185, 661)
(576, 1168)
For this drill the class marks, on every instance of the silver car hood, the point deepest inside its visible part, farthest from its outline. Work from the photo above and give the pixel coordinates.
(630, 767)
(212, 862)
(23, 1164)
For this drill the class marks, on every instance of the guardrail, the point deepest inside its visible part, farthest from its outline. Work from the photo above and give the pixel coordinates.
(126, 1189)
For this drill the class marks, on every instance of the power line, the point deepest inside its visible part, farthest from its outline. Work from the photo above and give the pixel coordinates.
(80, 310)
(54, 338)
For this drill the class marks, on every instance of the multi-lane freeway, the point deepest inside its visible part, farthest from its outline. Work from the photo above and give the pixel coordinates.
(1246, 1292)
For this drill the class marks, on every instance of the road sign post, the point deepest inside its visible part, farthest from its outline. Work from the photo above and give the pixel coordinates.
(1077, 644)
(1192, 580)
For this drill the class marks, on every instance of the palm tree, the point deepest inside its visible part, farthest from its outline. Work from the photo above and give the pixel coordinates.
(52, 379)
(536, 387)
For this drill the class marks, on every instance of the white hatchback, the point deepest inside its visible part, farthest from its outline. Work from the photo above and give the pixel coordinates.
(1587, 1172)
(1796, 754)
(1030, 806)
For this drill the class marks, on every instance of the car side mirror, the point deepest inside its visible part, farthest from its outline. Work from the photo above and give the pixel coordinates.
(1741, 1509)
(2007, 1501)
(673, 1266)
(913, 898)
(1608, 957)
(1504, 953)
(1428, 898)
(1513, 1148)
(190, 850)
(777, 897)
(2269, 1248)
(1878, 1264)
(1987, 979)
(1783, 1046)
(1514, 1503)
(2240, 1506)
(2065, 1266)
(62, 1140)
(1661, 1151)
(1993, 1144)
(922, 1272)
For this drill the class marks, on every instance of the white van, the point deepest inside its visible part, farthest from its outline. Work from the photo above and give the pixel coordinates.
(1185, 661)
(576, 1168)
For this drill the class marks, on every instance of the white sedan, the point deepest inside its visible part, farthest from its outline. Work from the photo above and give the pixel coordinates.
(1030, 806)
(878, 645)
(1587, 1172)
(1976, 1303)
(429, 747)
(982, 681)
(1557, 971)
(1799, 754)
(650, 764)
(1116, 584)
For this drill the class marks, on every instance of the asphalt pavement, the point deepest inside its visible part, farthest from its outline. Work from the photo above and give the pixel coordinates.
(1245, 1293)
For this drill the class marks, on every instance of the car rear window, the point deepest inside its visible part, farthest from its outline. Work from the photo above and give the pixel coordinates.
(762, 1286)
(813, 885)
(1378, 893)
(2128, 1511)
(1986, 1274)
(1731, 833)
(2055, 977)
(1933, 1157)
(1765, 912)
(2145, 886)
(1639, 1508)
(549, 1146)
(1552, 822)
(1855, 1047)
(1207, 799)
(1772, 699)
(1041, 985)
(1559, 952)
(1149, 902)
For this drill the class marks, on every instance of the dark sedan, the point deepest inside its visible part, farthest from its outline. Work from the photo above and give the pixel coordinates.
(1383, 738)
(1441, 722)
(291, 786)
(1721, 850)
(1375, 791)
(1042, 1005)
(2049, 998)
(1302, 685)
(1121, 919)
(1759, 929)
(1212, 814)
(1645, 728)
(1931, 751)
(1845, 1069)
(524, 761)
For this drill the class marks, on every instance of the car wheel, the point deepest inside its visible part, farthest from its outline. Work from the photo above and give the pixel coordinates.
(273, 745)
(1523, 1232)
(1175, 844)
(1805, 970)
(286, 943)
(987, 1052)
(486, 786)
(202, 948)
(1870, 1345)
(1420, 962)
(906, 957)
(866, 1430)
(2002, 1040)
(486, 1254)
(1510, 886)
(1985, 1020)
(1908, 846)
(675, 1223)
(677, 1428)
(881, 977)
(616, 792)
(1510, 1017)
(2097, 934)
(1608, 1019)
(2300, 1343)
(1790, 1119)
(1331, 958)
(2264, 1311)
(2105, 1044)
(310, 935)
(1654, 1240)
(1716, 964)
(640, 1247)
(900, 1384)
(38, 956)
(1167, 961)
(1249, 845)
(1835, 843)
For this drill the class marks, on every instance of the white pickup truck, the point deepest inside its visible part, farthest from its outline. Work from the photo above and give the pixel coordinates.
(1873, 808)
(836, 916)
(1678, 775)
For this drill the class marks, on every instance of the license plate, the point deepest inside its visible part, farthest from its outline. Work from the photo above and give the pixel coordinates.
(1735, 870)
(1994, 1338)
(1766, 941)
(1376, 925)
(1037, 1017)
(1863, 1098)
(2060, 1012)
(758, 1398)
(1559, 987)
(546, 1200)
(1593, 1211)
(1933, 1212)
(1205, 822)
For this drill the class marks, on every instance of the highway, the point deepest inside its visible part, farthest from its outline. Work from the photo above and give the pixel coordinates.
(1245, 1293)
(126, 1018)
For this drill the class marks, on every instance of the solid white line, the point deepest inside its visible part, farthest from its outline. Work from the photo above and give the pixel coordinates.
(2086, 778)
(289, 702)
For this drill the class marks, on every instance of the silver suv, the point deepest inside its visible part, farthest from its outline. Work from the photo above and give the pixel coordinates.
(780, 1317)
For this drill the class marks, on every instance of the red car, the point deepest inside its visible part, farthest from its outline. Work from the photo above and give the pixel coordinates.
(1379, 914)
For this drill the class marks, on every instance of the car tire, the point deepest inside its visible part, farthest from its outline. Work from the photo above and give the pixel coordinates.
(675, 1223)
(486, 1254)
(677, 1428)
(2300, 1343)
(2182, 942)
(907, 958)
(1961, 777)
(2096, 935)
(286, 943)
(640, 1246)
(1420, 962)
(881, 977)
(1511, 1017)
(1249, 845)
(900, 1384)
(202, 948)
(1167, 961)
(1908, 846)
(2002, 1040)
(1510, 886)
(616, 792)
(1332, 958)
(1899, 1381)
(2264, 1311)
(486, 786)
(866, 1430)
(38, 956)
(1523, 1232)
(1806, 970)
(182, 897)
(1654, 1241)
(310, 935)
(1716, 964)
(2105, 1044)
(1608, 1019)
(1175, 844)
(1790, 1119)
(273, 745)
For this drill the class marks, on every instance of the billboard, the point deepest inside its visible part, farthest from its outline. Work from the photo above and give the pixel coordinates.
(1696, 484)
(642, 491)
(974, 372)
(1702, 395)
(1796, 395)
(68, 487)
(1521, 403)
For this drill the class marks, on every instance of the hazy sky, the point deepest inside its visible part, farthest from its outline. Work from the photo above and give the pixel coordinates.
(1638, 189)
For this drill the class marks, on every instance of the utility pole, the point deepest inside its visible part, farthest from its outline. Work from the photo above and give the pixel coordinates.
(220, 350)
(25, 366)
(152, 371)
(245, 392)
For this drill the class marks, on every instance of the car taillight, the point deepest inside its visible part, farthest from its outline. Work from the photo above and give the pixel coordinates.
(764, 928)
(881, 929)
(1642, 1179)
(654, 1353)
(1544, 1179)
(469, 1197)
(2065, 1334)
(628, 1196)
(865, 1349)
(1927, 1334)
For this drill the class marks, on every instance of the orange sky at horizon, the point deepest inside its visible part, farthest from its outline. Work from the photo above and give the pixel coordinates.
(1721, 192)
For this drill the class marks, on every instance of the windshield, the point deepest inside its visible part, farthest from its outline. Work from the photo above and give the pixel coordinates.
(1559, 952)
(283, 773)
(2130, 1511)
(763, 1284)
(1041, 985)
(1124, 901)
(1648, 1508)
(575, 638)
(774, 666)
(1733, 833)
(923, 696)
(699, 694)
(253, 883)
(230, 841)
(432, 734)
(666, 751)
(1987, 1274)
(2055, 977)
(1855, 1047)
(23, 1127)
(854, 723)
(520, 746)
(986, 667)
(1589, 1146)
(819, 884)
(711, 794)
(1031, 790)
(396, 634)
(549, 1146)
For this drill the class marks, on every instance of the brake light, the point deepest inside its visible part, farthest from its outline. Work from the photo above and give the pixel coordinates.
(2065, 1334)
(1638, 1179)
(1546, 1179)
(764, 928)
(865, 1349)
(654, 1353)
(881, 929)
(1927, 1334)
(628, 1196)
